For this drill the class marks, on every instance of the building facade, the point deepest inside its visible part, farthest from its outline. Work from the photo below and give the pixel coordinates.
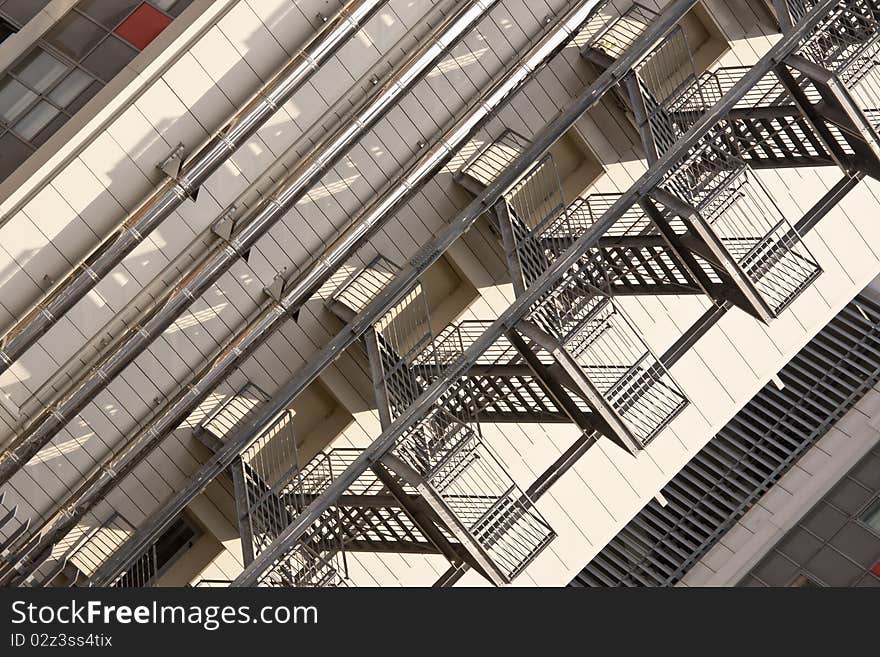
(319, 293)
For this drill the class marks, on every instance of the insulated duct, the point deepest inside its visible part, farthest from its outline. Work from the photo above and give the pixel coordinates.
(39, 431)
(445, 37)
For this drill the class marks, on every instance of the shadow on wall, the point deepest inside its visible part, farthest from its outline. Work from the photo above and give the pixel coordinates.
(31, 272)
(26, 277)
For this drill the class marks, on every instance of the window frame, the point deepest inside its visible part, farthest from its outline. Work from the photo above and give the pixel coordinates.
(43, 96)
(871, 507)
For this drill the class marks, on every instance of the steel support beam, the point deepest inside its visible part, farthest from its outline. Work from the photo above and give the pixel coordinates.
(607, 419)
(686, 247)
(380, 392)
(640, 113)
(245, 530)
(425, 511)
(551, 384)
(783, 15)
(447, 516)
(839, 108)
(421, 517)
(509, 242)
(717, 255)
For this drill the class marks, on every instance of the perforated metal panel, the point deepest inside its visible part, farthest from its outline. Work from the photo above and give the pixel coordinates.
(750, 454)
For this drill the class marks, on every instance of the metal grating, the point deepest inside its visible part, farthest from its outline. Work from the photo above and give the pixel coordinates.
(621, 30)
(732, 203)
(276, 490)
(232, 412)
(475, 487)
(849, 47)
(750, 454)
(97, 545)
(489, 161)
(361, 287)
(667, 81)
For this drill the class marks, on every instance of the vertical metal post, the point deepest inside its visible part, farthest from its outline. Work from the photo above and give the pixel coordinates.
(374, 356)
(508, 240)
(640, 113)
(245, 530)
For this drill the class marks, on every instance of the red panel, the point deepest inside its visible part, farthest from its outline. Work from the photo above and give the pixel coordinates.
(143, 26)
(876, 569)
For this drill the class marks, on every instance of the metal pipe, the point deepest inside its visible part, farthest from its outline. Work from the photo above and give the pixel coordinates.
(170, 195)
(446, 36)
(39, 431)
(304, 286)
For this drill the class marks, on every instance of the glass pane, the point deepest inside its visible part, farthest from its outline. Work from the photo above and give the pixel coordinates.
(871, 516)
(14, 99)
(12, 153)
(164, 5)
(84, 97)
(108, 13)
(178, 7)
(71, 87)
(36, 119)
(49, 130)
(40, 70)
(21, 11)
(109, 58)
(75, 35)
(144, 25)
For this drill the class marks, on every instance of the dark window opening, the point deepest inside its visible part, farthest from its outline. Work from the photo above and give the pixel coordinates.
(6, 30)
(176, 540)
(21, 11)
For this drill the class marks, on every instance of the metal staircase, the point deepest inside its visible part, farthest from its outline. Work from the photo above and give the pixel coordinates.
(699, 221)
(444, 461)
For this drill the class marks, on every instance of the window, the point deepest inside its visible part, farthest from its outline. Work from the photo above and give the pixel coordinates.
(870, 517)
(75, 35)
(40, 92)
(13, 151)
(83, 51)
(108, 13)
(6, 30)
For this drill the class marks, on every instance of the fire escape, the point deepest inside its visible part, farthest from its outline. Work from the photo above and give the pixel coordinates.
(708, 226)
(699, 222)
